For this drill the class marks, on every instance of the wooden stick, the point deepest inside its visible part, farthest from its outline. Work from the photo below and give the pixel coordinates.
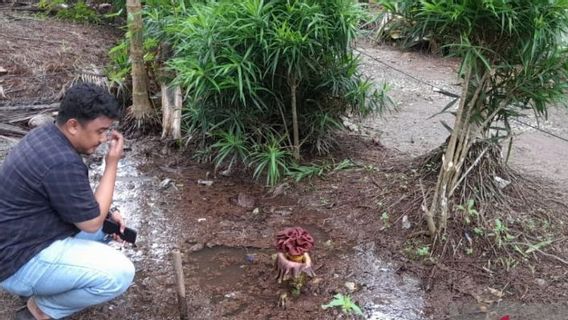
(180, 285)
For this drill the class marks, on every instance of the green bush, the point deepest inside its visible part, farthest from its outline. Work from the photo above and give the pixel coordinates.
(243, 65)
(78, 11)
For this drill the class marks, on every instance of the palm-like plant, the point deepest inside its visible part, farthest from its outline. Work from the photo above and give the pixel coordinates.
(514, 60)
(231, 146)
(270, 159)
(275, 65)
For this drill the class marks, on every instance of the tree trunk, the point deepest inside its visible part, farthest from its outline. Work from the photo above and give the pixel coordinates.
(295, 128)
(454, 157)
(141, 107)
(171, 112)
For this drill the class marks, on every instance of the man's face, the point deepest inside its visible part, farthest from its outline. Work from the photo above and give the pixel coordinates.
(91, 134)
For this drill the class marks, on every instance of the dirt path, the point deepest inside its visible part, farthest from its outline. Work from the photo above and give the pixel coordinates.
(413, 131)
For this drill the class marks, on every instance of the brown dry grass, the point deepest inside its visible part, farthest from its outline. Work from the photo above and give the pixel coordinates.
(43, 55)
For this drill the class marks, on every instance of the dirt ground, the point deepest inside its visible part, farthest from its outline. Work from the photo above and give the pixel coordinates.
(227, 244)
(41, 56)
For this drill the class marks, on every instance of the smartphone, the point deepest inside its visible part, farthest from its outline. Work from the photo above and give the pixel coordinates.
(111, 227)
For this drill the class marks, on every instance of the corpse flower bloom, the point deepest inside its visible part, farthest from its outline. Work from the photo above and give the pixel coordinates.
(294, 241)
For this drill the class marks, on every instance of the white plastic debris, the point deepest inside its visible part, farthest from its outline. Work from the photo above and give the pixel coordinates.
(502, 183)
(405, 223)
(205, 182)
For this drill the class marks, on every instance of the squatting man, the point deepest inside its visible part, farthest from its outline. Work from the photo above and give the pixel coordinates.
(52, 248)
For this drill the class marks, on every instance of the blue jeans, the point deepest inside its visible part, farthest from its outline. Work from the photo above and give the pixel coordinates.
(72, 274)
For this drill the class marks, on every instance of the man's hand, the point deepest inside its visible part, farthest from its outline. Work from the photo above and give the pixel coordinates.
(117, 217)
(115, 147)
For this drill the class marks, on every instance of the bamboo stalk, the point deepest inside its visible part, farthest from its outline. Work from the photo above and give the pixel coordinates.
(296, 130)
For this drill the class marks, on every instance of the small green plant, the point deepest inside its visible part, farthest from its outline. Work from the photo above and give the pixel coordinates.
(423, 251)
(469, 210)
(119, 69)
(370, 168)
(78, 12)
(417, 250)
(203, 155)
(345, 303)
(231, 147)
(300, 172)
(501, 233)
(50, 5)
(271, 159)
(345, 164)
(385, 218)
(479, 231)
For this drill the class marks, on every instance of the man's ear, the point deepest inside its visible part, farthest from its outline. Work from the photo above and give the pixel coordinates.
(73, 126)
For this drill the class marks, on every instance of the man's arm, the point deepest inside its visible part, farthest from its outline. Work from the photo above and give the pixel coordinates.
(105, 189)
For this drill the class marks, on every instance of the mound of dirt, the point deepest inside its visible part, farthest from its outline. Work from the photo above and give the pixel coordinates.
(40, 56)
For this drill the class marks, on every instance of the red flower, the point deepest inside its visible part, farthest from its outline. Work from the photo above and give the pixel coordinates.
(505, 318)
(294, 241)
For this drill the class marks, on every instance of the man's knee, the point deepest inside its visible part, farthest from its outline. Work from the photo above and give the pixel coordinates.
(122, 273)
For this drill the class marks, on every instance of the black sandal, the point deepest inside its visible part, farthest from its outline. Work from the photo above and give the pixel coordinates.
(24, 314)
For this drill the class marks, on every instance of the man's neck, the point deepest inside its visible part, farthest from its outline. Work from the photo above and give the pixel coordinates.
(66, 134)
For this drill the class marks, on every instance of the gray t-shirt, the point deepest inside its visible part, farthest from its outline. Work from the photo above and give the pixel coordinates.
(44, 190)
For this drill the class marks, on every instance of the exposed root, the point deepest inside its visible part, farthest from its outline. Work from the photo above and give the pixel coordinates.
(133, 124)
(497, 215)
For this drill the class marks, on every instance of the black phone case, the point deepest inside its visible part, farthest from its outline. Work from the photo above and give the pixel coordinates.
(111, 227)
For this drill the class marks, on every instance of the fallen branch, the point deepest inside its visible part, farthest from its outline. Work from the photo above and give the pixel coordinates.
(9, 139)
(23, 117)
(552, 256)
(31, 39)
(30, 107)
(8, 129)
(30, 8)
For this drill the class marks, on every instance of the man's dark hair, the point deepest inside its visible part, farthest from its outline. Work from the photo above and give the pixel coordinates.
(86, 102)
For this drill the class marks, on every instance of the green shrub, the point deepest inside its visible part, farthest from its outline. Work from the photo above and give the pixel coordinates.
(78, 11)
(243, 65)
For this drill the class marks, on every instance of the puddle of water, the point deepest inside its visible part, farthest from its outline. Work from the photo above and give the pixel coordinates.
(222, 265)
(384, 294)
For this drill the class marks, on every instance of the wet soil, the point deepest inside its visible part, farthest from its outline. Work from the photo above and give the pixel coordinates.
(228, 247)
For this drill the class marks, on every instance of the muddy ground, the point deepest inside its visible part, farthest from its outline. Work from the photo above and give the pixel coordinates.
(227, 244)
